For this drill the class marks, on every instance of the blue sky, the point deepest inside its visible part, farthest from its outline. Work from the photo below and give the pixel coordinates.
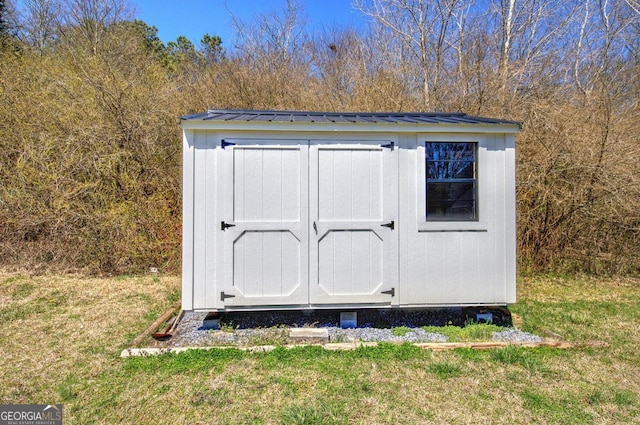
(194, 18)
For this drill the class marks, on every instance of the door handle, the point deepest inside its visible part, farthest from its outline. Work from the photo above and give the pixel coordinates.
(315, 228)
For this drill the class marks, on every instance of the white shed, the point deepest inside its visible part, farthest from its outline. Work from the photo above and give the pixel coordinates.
(307, 210)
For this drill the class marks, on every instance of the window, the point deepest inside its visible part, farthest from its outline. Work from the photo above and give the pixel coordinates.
(451, 181)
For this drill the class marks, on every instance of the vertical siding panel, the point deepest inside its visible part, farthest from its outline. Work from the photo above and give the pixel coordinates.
(453, 265)
(238, 184)
(272, 260)
(272, 185)
(291, 185)
(360, 258)
(413, 280)
(211, 189)
(200, 220)
(470, 280)
(326, 210)
(342, 279)
(325, 263)
(253, 269)
(434, 267)
(239, 266)
(253, 184)
(259, 168)
(188, 232)
(375, 261)
(494, 262)
(290, 263)
(375, 187)
(360, 164)
(342, 183)
(510, 218)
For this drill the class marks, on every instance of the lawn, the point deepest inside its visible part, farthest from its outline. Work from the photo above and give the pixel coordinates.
(62, 337)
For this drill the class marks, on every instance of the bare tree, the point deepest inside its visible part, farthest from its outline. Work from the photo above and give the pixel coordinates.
(426, 29)
(92, 18)
(40, 22)
(276, 36)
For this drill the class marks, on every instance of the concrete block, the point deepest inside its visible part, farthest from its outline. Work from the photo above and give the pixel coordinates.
(320, 334)
(348, 319)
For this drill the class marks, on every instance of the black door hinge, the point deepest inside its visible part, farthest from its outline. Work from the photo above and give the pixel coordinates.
(224, 226)
(388, 145)
(224, 296)
(391, 292)
(391, 225)
(224, 144)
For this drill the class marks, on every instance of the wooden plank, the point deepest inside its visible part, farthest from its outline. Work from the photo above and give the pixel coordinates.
(163, 318)
(344, 346)
(436, 346)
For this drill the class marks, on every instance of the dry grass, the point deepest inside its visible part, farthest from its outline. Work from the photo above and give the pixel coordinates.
(62, 337)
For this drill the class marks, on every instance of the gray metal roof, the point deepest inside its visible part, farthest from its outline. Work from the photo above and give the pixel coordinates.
(345, 117)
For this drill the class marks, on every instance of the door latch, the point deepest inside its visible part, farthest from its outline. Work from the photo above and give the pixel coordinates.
(391, 292)
(388, 145)
(224, 226)
(391, 225)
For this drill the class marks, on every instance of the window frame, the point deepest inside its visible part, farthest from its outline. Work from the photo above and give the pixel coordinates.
(452, 165)
(479, 224)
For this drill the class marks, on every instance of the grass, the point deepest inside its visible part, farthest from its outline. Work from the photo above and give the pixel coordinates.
(62, 337)
(470, 332)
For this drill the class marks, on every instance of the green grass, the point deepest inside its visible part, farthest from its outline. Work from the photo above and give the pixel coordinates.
(77, 327)
(444, 369)
(470, 332)
(400, 331)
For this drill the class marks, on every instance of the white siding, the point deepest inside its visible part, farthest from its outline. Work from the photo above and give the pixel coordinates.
(188, 230)
(204, 195)
(274, 186)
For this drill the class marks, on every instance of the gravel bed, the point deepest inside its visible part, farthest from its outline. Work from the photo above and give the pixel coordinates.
(269, 328)
(515, 335)
(383, 335)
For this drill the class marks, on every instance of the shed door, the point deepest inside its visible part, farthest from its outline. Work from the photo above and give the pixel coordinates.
(265, 226)
(353, 216)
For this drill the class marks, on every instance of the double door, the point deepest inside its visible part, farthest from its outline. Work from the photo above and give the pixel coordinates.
(308, 223)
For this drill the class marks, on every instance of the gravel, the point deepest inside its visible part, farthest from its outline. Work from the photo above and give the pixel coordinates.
(272, 328)
(515, 335)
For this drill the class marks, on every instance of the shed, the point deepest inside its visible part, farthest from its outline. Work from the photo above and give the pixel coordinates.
(308, 210)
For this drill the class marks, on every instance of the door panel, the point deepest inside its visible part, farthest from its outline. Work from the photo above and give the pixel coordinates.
(266, 245)
(266, 183)
(350, 262)
(350, 184)
(353, 193)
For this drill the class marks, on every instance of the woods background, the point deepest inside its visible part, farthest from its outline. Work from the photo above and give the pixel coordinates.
(90, 147)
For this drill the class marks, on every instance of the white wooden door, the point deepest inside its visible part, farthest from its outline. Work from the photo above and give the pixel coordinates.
(265, 225)
(353, 219)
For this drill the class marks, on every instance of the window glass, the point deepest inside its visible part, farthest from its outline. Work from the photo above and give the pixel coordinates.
(451, 181)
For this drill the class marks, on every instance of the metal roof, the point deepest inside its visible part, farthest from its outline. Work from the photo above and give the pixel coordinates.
(345, 117)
